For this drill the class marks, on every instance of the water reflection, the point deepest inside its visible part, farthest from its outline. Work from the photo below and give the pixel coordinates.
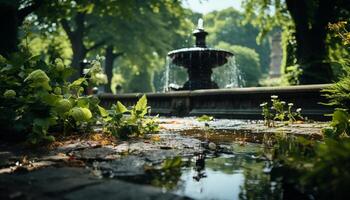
(239, 176)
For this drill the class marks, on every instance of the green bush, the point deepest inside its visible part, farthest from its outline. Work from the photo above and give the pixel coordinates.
(36, 99)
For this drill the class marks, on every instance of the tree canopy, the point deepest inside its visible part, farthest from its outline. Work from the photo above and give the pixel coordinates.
(228, 26)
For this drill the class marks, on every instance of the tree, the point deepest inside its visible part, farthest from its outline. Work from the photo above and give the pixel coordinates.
(143, 43)
(309, 24)
(228, 26)
(12, 15)
(116, 28)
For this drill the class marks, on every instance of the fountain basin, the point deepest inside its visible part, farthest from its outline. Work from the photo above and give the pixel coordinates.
(199, 57)
(198, 61)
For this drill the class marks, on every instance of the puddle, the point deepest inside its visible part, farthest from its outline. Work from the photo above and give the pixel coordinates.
(245, 174)
(238, 176)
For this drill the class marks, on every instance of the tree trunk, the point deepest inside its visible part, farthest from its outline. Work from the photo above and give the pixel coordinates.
(9, 29)
(11, 17)
(109, 62)
(79, 53)
(76, 38)
(311, 52)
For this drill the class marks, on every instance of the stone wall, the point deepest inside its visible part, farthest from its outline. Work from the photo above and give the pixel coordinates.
(237, 103)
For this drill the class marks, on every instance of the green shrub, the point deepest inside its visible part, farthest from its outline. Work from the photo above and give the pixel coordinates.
(30, 107)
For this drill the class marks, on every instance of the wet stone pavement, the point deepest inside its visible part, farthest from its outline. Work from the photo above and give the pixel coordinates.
(87, 169)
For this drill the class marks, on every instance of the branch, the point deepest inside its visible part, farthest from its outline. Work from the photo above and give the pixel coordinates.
(96, 45)
(24, 12)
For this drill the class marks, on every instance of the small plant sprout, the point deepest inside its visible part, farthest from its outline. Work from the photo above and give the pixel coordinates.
(279, 111)
(268, 116)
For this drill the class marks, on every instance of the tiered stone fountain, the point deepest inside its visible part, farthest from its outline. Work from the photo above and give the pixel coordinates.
(199, 61)
(198, 97)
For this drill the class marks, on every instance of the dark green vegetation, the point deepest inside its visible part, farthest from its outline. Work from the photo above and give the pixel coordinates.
(134, 48)
(36, 98)
(37, 101)
(319, 168)
(305, 31)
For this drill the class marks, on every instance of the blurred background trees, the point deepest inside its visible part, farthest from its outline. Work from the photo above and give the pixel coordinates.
(134, 37)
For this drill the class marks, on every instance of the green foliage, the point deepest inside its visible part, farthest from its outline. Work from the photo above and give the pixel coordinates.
(279, 111)
(292, 74)
(32, 108)
(316, 168)
(304, 25)
(123, 122)
(228, 26)
(339, 92)
(340, 125)
(330, 170)
(205, 118)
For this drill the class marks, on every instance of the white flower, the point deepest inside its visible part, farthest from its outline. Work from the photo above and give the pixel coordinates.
(290, 104)
(299, 110)
(263, 104)
(283, 102)
(274, 97)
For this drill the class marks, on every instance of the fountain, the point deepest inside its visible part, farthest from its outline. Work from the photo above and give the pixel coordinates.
(199, 61)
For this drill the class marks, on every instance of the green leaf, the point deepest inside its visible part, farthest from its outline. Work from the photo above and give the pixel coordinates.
(141, 104)
(103, 112)
(38, 78)
(205, 118)
(78, 82)
(83, 102)
(63, 105)
(340, 121)
(80, 114)
(120, 108)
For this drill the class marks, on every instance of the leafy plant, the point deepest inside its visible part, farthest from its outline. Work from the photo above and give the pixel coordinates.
(37, 100)
(268, 116)
(279, 111)
(339, 92)
(123, 122)
(340, 125)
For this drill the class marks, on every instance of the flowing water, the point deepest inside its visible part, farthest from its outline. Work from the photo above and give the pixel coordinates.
(226, 76)
(174, 76)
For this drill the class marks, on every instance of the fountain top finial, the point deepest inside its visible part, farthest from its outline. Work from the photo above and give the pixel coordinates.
(200, 24)
(200, 34)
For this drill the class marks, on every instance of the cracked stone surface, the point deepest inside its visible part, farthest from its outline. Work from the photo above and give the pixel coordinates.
(79, 169)
(73, 183)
